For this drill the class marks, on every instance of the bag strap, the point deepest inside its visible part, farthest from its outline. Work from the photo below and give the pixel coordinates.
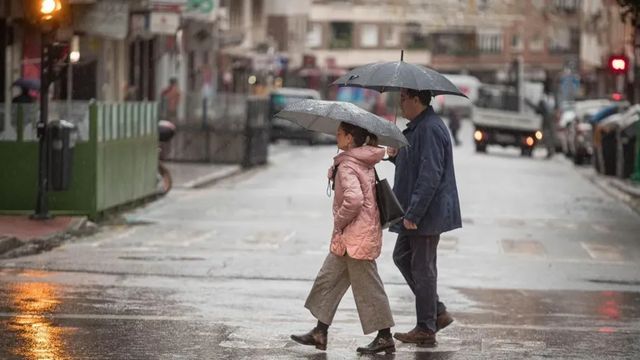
(376, 173)
(331, 183)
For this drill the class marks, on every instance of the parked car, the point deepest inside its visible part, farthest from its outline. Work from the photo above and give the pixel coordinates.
(284, 129)
(567, 116)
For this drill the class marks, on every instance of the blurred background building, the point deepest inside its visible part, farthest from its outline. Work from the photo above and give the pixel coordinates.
(129, 49)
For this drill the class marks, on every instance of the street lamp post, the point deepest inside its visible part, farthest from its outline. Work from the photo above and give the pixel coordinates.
(46, 15)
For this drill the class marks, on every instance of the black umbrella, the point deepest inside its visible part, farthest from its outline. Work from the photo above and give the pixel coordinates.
(325, 116)
(398, 75)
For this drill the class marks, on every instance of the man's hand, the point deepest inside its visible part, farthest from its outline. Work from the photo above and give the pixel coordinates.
(391, 151)
(409, 225)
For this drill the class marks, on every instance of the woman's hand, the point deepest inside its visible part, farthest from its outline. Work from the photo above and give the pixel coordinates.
(391, 151)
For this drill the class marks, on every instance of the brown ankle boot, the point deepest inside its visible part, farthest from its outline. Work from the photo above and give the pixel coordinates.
(443, 320)
(425, 338)
(379, 344)
(315, 337)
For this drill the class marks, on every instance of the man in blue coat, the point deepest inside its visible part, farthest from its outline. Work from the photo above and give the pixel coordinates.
(425, 185)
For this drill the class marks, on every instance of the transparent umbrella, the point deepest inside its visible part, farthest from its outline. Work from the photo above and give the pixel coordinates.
(325, 117)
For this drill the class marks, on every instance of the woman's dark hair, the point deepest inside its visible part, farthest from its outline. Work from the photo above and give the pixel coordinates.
(359, 135)
(423, 95)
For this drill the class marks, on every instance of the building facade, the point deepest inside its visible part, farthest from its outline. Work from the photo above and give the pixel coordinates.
(477, 37)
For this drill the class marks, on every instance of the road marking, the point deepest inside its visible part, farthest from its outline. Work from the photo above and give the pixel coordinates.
(523, 247)
(602, 251)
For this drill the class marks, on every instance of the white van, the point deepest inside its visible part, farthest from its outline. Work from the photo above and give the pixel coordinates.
(468, 85)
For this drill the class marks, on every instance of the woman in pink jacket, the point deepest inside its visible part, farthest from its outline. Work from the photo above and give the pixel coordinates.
(355, 244)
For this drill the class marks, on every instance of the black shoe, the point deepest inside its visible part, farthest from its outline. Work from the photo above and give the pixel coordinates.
(315, 337)
(379, 344)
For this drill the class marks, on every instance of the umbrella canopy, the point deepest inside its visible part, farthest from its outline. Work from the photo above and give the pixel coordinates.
(325, 117)
(31, 84)
(398, 75)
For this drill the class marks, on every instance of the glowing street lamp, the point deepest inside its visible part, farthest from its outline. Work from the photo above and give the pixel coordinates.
(49, 8)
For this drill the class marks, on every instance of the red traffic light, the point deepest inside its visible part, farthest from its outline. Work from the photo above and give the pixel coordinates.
(618, 64)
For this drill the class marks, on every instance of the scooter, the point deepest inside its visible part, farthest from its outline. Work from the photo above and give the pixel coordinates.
(166, 131)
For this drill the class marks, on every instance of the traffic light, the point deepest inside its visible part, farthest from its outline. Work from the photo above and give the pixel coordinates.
(618, 64)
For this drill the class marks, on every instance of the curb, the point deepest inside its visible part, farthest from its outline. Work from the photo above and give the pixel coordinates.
(8, 243)
(213, 177)
(626, 187)
(617, 189)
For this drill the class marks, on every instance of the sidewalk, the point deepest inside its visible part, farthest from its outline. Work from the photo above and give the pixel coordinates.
(20, 235)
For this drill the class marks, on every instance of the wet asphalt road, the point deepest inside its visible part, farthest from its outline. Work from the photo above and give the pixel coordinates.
(546, 266)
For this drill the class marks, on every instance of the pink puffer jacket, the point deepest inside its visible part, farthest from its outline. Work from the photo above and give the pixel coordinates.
(356, 221)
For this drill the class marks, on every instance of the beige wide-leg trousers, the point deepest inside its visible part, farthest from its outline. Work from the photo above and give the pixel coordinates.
(333, 280)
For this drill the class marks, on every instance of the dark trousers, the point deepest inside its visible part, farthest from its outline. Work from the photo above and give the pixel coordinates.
(416, 256)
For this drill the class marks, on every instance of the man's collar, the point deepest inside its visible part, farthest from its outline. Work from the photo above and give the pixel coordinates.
(413, 123)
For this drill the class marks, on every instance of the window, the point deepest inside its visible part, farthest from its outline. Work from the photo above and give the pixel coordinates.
(415, 38)
(566, 5)
(341, 35)
(483, 5)
(314, 35)
(369, 35)
(516, 42)
(454, 44)
(392, 36)
(564, 40)
(536, 43)
(490, 42)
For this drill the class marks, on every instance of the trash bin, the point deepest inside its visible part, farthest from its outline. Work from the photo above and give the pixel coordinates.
(628, 138)
(62, 140)
(605, 148)
(626, 142)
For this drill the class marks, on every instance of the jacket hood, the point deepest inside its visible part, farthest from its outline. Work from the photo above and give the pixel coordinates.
(367, 155)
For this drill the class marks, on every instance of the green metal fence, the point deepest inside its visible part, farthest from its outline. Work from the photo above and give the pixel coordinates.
(636, 173)
(114, 163)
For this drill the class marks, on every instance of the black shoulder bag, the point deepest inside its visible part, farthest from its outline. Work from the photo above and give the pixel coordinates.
(389, 207)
